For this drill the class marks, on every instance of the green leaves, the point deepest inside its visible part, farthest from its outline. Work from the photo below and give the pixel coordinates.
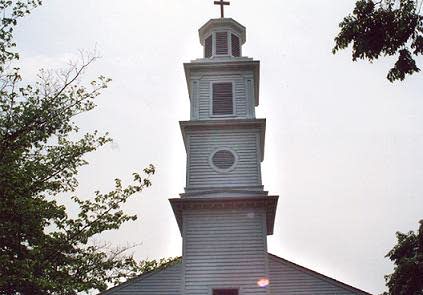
(43, 250)
(405, 65)
(384, 28)
(407, 256)
(11, 11)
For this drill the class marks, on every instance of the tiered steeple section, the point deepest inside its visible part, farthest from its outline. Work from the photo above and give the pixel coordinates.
(224, 215)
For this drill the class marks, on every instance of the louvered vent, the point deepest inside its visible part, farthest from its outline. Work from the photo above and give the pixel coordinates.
(223, 159)
(222, 99)
(236, 51)
(221, 43)
(208, 51)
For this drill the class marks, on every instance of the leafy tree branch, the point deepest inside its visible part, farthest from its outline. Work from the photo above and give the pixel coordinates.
(385, 28)
(44, 250)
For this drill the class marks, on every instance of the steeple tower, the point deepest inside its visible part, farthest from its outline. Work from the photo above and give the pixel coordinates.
(225, 214)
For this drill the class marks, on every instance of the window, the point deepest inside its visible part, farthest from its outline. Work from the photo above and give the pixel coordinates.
(236, 50)
(225, 291)
(222, 99)
(223, 159)
(221, 43)
(208, 47)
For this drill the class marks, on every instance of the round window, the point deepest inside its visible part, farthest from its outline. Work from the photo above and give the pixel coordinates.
(223, 159)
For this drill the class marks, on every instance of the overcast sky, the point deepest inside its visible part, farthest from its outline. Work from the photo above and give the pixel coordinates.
(343, 147)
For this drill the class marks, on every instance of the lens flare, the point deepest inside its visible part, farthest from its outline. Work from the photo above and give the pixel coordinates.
(263, 282)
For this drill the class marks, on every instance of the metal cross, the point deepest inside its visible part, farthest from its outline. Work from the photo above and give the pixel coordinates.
(222, 5)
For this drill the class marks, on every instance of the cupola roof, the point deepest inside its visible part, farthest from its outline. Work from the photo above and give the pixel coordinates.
(219, 24)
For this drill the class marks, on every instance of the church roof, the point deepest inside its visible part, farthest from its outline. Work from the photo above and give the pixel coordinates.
(129, 284)
(286, 277)
(314, 274)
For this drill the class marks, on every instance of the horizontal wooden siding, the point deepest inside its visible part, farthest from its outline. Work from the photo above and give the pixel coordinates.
(202, 143)
(224, 249)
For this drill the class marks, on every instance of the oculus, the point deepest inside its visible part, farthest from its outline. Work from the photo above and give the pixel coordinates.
(223, 160)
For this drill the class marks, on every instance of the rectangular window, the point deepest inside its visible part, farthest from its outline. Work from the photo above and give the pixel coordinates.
(225, 292)
(222, 43)
(222, 99)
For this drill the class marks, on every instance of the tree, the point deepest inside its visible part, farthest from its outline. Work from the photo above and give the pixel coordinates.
(43, 248)
(407, 256)
(385, 28)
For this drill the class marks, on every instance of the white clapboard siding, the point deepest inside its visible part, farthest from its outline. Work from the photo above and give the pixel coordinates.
(164, 282)
(224, 248)
(202, 143)
(203, 97)
(288, 278)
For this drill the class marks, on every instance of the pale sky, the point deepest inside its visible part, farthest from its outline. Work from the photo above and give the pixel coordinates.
(343, 147)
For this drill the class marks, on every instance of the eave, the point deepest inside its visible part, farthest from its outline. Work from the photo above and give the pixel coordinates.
(219, 23)
(226, 65)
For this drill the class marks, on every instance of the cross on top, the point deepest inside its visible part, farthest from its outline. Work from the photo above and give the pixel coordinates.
(222, 5)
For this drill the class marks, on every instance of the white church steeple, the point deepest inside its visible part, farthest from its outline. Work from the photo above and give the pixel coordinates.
(225, 214)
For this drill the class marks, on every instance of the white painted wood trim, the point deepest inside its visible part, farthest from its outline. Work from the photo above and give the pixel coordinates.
(258, 144)
(266, 257)
(184, 240)
(213, 44)
(251, 104)
(188, 167)
(229, 40)
(195, 100)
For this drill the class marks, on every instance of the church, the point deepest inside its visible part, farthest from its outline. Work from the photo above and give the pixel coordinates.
(225, 215)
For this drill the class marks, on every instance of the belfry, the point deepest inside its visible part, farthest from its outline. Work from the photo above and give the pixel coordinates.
(224, 214)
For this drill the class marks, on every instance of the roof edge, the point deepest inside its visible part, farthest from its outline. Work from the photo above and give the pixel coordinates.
(175, 262)
(320, 276)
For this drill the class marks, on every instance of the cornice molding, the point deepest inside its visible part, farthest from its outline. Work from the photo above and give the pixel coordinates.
(269, 203)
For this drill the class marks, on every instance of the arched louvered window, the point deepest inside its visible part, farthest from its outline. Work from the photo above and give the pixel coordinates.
(223, 160)
(222, 99)
(236, 48)
(208, 50)
(222, 43)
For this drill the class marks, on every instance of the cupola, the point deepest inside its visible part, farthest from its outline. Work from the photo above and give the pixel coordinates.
(222, 37)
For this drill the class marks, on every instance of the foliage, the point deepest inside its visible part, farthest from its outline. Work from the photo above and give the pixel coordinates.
(152, 265)
(384, 28)
(43, 250)
(407, 256)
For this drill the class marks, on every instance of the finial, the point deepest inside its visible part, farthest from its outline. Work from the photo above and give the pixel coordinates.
(222, 5)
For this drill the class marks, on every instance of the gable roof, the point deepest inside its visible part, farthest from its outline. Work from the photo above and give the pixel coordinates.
(174, 266)
(318, 275)
(171, 264)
